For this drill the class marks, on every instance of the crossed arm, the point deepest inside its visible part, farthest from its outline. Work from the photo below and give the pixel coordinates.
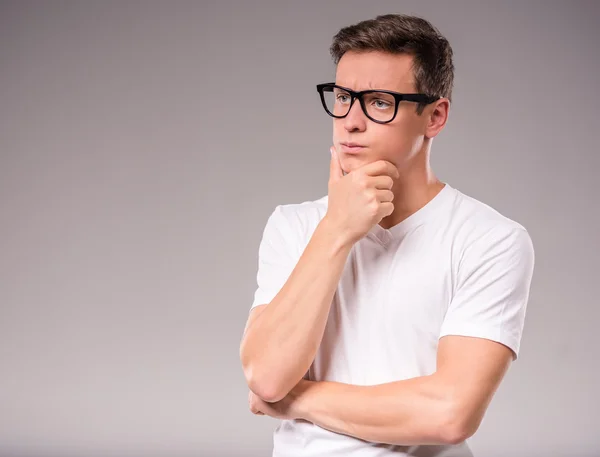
(443, 408)
(447, 406)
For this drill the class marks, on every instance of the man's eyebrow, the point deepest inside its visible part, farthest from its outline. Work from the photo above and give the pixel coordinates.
(350, 86)
(382, 87)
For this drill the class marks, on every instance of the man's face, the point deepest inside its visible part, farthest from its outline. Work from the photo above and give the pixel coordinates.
(398, 141)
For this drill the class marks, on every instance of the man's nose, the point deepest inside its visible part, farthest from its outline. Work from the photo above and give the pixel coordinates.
(356, 119)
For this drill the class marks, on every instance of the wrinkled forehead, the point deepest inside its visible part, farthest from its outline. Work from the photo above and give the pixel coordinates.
(375, 70)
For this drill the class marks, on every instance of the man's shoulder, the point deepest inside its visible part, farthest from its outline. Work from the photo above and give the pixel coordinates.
(305, 206)
(299, 219)
(304, 212)
(475, 221)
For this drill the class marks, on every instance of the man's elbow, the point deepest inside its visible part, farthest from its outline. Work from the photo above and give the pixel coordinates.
(458, 426)
(454, 435)
(264, 385)
(266, 390)
(269, 384)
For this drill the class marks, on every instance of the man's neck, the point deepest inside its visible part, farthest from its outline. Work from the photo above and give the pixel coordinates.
(413, 190)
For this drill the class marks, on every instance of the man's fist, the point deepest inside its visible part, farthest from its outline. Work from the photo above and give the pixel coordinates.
(286, 408)
(254, 403)
(360, 199)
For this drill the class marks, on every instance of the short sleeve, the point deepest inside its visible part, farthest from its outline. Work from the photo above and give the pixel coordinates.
(492, 288)
(276, 257)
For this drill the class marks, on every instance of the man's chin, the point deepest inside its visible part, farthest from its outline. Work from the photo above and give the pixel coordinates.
(353, 162)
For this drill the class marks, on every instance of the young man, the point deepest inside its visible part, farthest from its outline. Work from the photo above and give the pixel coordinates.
(388, 311)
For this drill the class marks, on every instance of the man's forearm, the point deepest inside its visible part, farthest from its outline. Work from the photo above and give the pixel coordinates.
(279, 347)
(408, 412)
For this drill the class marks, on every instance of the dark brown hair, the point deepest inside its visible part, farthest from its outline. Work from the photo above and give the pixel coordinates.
(433, 68)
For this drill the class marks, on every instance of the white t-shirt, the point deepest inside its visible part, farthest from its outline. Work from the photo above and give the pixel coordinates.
(454, 267)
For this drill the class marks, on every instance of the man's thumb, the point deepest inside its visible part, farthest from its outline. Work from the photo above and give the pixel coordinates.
(335, 169)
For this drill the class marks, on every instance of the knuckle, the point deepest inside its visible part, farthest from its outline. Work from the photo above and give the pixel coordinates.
(373, 208)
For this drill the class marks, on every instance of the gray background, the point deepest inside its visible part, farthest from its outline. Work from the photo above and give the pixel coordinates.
(143, 146)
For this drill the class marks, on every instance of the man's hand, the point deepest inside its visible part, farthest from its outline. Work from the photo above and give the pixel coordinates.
(255, 404)
(360, 199)
(287, 408)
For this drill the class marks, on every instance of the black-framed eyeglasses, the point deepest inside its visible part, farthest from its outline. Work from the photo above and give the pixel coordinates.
(380, 106)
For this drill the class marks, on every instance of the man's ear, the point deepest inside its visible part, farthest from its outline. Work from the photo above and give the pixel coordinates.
(438, 116)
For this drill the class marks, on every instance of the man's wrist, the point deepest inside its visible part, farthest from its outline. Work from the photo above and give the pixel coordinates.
(301, 393)
(337, 237)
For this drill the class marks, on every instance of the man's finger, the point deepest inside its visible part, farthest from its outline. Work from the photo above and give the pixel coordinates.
(381, 167)
(335, 168)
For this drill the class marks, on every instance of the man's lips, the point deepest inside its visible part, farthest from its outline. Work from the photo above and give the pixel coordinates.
(351, 147)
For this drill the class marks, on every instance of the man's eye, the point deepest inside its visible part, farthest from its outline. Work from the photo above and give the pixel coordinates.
(342, 98)
(382, 104)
